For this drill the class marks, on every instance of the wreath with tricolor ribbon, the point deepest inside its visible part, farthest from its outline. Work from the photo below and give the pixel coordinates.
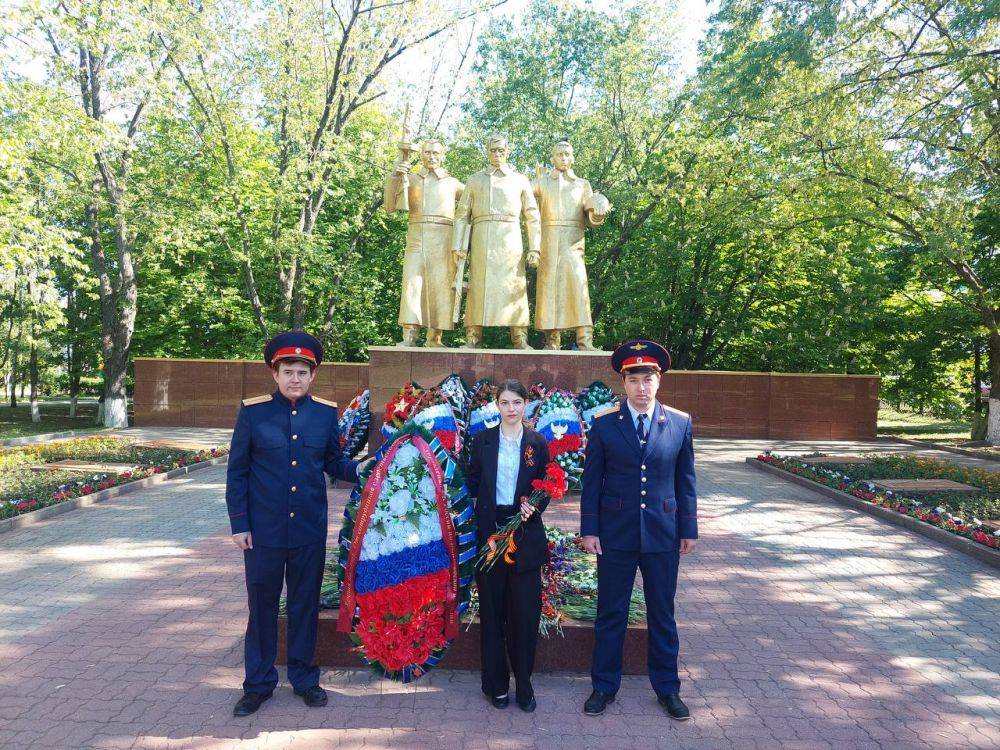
(402, 593)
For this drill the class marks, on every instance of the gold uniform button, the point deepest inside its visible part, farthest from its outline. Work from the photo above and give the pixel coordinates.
(295, 463)
(294, 488)
(295, 437)
(292, 514)
(642, 505)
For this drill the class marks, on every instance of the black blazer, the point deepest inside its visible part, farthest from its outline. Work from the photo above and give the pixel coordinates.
(481, 479)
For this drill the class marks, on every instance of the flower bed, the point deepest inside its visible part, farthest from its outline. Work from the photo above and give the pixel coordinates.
(953, 513)
(23, 490)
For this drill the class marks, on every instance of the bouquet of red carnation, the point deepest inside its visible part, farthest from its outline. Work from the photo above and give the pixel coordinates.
(501, 544)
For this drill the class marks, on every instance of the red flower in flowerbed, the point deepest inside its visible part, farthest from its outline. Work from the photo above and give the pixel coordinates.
(403, 625)
(863, 490)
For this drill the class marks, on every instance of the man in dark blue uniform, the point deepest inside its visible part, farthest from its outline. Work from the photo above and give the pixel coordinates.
(276, 495)
(638, 511)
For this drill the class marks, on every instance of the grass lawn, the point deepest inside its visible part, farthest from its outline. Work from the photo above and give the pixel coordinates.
(55, 418)
(921, 426)
(926, 427)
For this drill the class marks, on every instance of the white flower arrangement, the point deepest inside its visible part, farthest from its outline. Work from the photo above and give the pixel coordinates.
(405, 514)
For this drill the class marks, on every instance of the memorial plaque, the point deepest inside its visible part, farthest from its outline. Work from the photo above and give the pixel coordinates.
(918, 487)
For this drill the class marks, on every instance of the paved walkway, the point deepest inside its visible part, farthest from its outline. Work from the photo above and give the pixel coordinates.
(803, 625)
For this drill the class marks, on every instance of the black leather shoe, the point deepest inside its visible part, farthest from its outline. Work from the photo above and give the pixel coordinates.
(313, 697)
(528, 707)
(675, 706)
(597, 702)
(249, 703)
(500, 702)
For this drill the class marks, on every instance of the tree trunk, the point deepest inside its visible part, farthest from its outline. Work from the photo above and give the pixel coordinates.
(977, 377)
(36, 415)
(13, 373)
(115, 396)
(993, 430)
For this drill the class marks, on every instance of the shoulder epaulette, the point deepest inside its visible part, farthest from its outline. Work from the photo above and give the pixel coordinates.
(257, 400)
(319, 400)
(610, 410)
(678, 412)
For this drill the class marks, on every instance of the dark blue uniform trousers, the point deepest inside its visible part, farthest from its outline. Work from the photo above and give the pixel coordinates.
(615, 578)
(266, 569)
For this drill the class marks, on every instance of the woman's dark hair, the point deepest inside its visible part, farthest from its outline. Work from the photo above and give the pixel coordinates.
(514, 386)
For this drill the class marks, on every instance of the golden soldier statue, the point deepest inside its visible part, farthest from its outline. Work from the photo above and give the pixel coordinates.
(492, 205)
(429, 195)
(568, 205)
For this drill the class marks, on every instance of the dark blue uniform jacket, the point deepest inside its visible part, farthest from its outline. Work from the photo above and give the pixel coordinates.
(275, 483)
(639, 499)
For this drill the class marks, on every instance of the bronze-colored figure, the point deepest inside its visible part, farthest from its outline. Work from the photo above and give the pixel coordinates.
(429, 195)
(567, 205)
(492, 205)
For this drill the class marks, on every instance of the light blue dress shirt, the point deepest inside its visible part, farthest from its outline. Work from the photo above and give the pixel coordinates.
(508, 465)
(635, 415)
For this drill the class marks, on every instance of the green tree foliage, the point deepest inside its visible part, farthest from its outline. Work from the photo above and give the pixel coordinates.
(820, 196)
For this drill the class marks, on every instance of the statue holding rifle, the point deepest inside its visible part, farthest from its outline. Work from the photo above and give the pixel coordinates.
(429, 195)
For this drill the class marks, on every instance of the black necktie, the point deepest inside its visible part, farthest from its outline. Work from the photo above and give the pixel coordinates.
(641, 429)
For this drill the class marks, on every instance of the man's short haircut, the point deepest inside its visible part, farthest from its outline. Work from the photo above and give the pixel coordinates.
(429, 141)
(493, 139)
(563, 142)
(640, 371)
(292, 361)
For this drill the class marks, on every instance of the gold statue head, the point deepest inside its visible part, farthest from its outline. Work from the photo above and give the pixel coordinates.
(562, 156)
(432, 154)
(497, 150)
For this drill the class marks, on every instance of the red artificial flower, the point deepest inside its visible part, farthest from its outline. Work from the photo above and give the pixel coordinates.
(565, 444)
(501, 544)
(403, 625)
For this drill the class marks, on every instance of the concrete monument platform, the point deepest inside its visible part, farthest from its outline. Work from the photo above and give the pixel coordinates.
(569, 652)
(918, 487)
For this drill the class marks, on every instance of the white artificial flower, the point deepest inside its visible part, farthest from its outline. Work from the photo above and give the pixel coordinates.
(370, 545)
(426, 489)
(400, 503)
(406, 455)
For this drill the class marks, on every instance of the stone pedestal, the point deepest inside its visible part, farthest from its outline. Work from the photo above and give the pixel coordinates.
(569, 652)
(722, 404)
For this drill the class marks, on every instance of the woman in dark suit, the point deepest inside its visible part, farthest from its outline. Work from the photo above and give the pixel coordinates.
(503, 461)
